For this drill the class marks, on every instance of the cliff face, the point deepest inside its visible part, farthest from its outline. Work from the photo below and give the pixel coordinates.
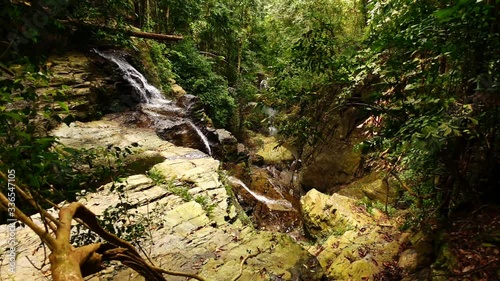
(333, 162)
(87, 84)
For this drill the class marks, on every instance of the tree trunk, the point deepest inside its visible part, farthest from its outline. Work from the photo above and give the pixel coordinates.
(156, 36)
(130, 32)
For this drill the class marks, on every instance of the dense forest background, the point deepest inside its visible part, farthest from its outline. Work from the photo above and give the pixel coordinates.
(421, 78)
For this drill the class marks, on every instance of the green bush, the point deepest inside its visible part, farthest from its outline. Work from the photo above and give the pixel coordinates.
(194, 73)
(49, 170)
(163, 66)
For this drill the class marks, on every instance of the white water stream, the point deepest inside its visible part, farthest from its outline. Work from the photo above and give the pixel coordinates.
(276, 205)
(202, 136)
(148, 93)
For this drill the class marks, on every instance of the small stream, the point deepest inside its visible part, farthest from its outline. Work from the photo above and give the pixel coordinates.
(272, 204)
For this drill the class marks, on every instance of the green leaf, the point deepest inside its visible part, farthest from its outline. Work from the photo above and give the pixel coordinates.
(63, 105)
(474, 121)
(410, 87)
(445, 14)
(13, 115)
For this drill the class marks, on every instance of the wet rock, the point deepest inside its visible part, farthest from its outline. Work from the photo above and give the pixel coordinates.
(162, 111)
(180, 133)
(266, 200)
(189, 103)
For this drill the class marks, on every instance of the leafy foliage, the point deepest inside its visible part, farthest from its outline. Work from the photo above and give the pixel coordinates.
(313, 71)
(195, 74)
(51, 170)
(25, 146)
(423, 76)
(439, 127)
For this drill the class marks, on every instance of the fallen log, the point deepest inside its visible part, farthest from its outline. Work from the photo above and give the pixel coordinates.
(155, 36)
(130, 31)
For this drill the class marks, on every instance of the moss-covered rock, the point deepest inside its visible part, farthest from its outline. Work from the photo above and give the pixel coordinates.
(266, 247)
(372, 186)
(324, 215)
(351, 245)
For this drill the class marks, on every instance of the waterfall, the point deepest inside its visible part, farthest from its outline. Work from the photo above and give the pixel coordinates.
(270, 112)
(281, 204)
(163, 111)
(263, 84)
(202, 136)
(149, 94)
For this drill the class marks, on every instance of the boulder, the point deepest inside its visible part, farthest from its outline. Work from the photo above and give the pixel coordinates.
(181, 133)
(227, 147)
(272, 152)
(351, 245)
(335, 160)
(409, 260)
(335, 164)
(225, 137)
(189, 103)
(324, 214)
(177, 90)
(372, 186)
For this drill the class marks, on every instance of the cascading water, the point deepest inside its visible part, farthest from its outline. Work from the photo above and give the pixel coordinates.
(148, 93)
(270, 112)
(172, 122)
(277, 205)
(155, 105)
(203, 137)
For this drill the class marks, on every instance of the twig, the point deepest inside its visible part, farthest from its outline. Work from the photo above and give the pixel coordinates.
(6, 70)
(403, 184)
(34, 265)
(243, 263)
(22, 190)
